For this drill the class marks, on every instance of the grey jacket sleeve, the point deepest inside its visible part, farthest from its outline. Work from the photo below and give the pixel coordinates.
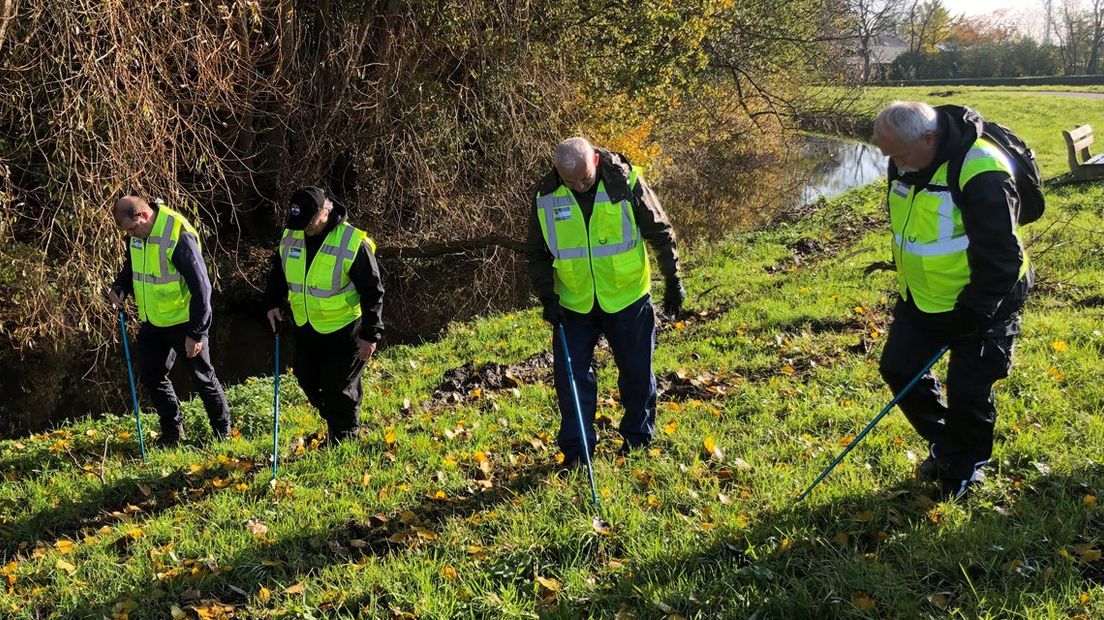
(656, 228)
(539, 257)
(189, 262)
(990, 205)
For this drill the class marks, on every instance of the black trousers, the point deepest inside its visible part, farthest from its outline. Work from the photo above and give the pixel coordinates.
(958, 429)
(631, 334)
(328, 368)
(158, 348)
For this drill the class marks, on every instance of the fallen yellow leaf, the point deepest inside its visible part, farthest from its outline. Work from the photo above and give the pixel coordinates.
(864, 516)
(862, 601)
(549, 584)
(450, 573)
(389, 437)
(1059, 345)
(65, 546)
(66, 566)
(298, 588)
(264, 594)
(670, 427)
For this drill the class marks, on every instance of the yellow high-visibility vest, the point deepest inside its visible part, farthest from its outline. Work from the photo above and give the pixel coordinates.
(323, 295)
(929, 240)
(605, 260)
(161, 293)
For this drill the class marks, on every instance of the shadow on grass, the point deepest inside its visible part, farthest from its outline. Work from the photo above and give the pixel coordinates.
(287, 560)
(144, 494)
(894, 554)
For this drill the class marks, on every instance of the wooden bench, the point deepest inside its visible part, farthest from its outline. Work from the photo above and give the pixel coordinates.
(1089, 166)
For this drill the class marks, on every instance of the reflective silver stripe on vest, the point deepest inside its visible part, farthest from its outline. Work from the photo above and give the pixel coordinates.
(977, 152)
(548, 204)
(326, 294)
(627, 230)
(163, 242)
(935, 248)
(286, 245)
(945, 213)
(341, 252)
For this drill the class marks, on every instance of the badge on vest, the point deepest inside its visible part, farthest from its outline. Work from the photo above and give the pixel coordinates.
(295, 252)
(901, 189)
(561, 213)
(136, 243)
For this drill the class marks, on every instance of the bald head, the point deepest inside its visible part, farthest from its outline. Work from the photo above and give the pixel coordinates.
(577, 163)
(134, 216)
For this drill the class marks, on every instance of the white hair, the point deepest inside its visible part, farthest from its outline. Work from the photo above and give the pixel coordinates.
(572, 153)
(908, 120)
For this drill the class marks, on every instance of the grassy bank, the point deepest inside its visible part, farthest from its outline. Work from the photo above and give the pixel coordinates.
(447, 507)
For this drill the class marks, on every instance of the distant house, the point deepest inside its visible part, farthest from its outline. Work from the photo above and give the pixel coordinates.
(884, 50)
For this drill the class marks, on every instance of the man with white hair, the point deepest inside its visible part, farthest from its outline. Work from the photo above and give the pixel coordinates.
(963, 277)
(588, 218)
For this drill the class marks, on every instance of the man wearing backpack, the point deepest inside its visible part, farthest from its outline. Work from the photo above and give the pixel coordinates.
(957, 186)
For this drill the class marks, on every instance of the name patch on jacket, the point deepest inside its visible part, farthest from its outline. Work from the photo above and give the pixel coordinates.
(295, 252)
(136, 243)
(561, 213)
(901, 189)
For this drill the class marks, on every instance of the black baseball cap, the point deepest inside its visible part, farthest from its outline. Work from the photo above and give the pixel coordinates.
(304, 204)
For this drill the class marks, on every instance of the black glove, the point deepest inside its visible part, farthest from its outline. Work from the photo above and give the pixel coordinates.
(553, 311)
(966, 323)
(673, 296)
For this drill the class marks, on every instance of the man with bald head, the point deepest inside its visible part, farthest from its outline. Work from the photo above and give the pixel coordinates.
(962, 275)
(589, 267)
(165, 273)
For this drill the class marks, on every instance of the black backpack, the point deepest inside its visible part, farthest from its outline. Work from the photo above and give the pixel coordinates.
(1029, 182)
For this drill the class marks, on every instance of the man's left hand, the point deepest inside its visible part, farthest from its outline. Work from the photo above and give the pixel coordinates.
(673, 296)
(367, 349)
(192, 347)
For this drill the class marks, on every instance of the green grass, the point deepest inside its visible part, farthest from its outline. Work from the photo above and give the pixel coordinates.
(450, 510)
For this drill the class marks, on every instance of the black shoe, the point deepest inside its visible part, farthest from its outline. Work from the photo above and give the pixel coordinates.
(167, 442)
(955, 490)
(928, 470)
(570, 464)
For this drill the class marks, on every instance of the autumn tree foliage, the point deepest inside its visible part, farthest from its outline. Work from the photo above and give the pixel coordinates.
(427, 119)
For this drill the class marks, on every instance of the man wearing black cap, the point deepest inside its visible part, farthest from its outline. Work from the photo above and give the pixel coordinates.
(327, 271)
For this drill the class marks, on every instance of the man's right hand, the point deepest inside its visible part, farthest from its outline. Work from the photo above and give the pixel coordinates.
(275, 319)
(115, 296)
(553, 312)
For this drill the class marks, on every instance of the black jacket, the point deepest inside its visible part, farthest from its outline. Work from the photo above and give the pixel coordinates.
(188, 261)
(651, 219)
(364, 274)
(990, 207)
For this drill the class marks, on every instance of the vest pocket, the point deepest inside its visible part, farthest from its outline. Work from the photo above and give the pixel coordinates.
(570, 277)
(626, 268)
